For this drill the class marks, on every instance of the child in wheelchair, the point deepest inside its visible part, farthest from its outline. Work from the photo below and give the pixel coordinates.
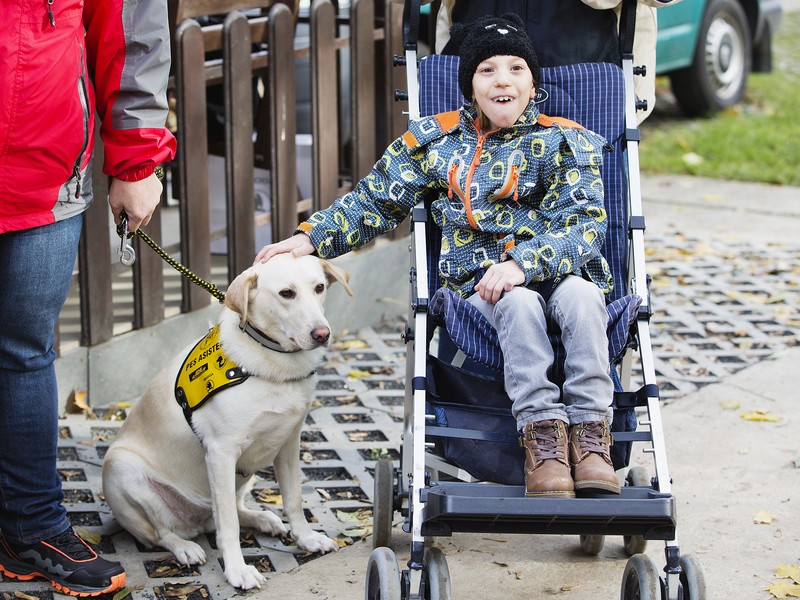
(518, 197)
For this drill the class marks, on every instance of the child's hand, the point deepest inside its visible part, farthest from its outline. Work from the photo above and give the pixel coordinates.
(499, 278)
(299, 245)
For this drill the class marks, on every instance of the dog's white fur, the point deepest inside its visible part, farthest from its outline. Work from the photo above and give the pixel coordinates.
(166, 484)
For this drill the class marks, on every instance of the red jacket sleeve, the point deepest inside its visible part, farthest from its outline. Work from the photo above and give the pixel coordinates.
(128, 54)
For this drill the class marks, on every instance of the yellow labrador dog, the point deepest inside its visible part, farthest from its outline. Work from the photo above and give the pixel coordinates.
(183, 461)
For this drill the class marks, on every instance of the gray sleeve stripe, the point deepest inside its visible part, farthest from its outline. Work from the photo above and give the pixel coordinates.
(142, 101)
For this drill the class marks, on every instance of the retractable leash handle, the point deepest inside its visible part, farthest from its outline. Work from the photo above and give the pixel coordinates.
(126, 253)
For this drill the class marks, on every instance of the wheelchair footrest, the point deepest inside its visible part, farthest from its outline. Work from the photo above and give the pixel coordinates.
(483, 507)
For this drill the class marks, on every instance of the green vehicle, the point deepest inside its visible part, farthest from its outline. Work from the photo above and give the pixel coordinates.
(708, 48)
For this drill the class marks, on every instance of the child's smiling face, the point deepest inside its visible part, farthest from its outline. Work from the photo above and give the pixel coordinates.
(503, 86)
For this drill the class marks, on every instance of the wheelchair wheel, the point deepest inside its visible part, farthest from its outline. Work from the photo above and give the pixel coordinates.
(437, 575)
(693, 578)
(592, 544)
(635, 544)
(383, 504)
(640, 581)
(383, 576)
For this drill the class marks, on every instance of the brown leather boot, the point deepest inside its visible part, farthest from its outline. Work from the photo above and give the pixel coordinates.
(546, 468)
(591, 464)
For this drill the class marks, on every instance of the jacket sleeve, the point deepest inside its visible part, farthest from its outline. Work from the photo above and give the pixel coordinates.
(377, 204)
(572, 210)
(128, 54)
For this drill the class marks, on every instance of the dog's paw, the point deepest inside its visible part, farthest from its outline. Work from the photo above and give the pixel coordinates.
(244, 576)
(316, 542)
(264, 521)
(189, 553)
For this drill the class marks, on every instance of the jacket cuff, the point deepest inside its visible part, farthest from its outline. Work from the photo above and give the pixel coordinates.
(137, 173)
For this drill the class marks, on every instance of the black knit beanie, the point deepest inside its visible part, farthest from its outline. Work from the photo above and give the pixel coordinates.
(487, 37)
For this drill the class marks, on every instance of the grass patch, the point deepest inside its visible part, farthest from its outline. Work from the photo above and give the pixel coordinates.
(758, 140)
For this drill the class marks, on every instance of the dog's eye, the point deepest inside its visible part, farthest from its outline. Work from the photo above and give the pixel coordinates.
(287, 293)
(320, 288)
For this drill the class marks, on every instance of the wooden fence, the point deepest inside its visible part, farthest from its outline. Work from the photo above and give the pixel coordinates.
(253, 59)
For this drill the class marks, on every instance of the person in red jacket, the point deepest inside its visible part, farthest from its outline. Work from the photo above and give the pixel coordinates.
(61, 63)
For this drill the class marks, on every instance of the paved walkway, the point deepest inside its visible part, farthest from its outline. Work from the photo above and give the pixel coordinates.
(726, 266)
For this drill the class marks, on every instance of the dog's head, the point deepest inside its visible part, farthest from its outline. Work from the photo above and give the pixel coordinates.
(284, 299)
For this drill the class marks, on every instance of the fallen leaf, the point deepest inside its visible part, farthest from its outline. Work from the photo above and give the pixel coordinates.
(788, 572)
(784, 589)
(25, 596)
(763, 517)
(77, 403)
(351, 345)
(92, 537)
(358, 532)
(730, 404)
(358, 374)
(125, 591)
(761, 415)
(569, 588)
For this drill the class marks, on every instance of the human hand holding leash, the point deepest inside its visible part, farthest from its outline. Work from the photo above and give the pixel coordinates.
(299, 245)
(137, 198)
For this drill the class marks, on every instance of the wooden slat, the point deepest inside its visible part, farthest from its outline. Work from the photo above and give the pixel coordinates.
(238, 144)
(192, 162)
(324, 104)
(148, 277)
(94, 261)
(362, 90)
(283, 125)
(190, 9)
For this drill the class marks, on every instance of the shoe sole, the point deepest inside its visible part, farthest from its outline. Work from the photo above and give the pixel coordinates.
(117, 582)
(602, 487)
(549, 494)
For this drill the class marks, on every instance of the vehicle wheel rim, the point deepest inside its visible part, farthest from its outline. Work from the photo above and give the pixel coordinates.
(725, 57)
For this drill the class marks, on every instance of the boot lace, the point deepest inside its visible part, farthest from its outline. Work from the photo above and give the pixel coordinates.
(592, 437)
(547, 436)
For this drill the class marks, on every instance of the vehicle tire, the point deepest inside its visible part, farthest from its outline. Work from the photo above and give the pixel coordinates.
(693, 578)
(383, 503)
(383, 576)
(437, 575)
(717, 76)
(635, 544)
(592, 544)
(640, 581)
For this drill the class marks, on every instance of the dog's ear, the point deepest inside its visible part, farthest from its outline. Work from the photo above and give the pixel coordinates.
(333, 273)
(238, 294)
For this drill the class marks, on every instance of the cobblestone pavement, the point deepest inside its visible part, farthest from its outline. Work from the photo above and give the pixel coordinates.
(718, 308)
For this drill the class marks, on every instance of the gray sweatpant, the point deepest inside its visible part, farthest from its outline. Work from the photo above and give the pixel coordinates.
(521, 318)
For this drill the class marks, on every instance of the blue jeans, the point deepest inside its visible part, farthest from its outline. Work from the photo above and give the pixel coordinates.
(521, 317)
(35, 271)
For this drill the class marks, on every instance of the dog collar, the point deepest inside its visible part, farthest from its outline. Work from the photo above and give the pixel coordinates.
(263, 339)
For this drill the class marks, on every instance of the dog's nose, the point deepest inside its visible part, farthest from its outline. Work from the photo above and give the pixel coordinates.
(321, 334)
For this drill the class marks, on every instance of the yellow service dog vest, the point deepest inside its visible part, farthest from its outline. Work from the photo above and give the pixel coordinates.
(205, 371)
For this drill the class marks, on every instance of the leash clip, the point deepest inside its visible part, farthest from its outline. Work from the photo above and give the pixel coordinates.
(126, 253)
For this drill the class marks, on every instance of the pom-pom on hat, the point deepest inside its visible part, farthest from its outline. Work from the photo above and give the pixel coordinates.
(487, 37)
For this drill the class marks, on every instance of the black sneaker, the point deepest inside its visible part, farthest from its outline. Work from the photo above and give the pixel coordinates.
(66, 560)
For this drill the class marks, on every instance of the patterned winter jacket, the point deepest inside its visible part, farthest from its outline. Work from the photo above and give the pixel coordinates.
(59, 62)
(531, 192)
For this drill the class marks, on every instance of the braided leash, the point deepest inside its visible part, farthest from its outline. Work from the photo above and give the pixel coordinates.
(122, 232)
